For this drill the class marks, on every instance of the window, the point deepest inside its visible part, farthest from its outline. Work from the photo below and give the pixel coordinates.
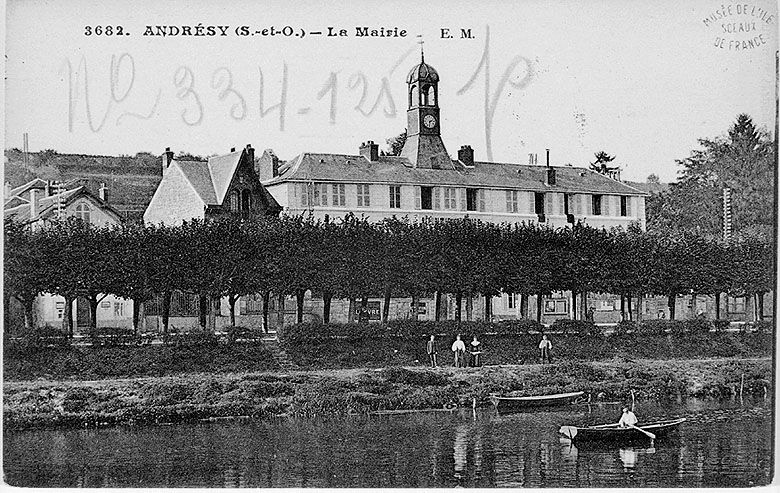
(539, 202)
(246, 200)
(253, 304)
(319, 194)
(234, 201)
(395, 197)
(511, 201)
(426, 198)
(471, 199)
(623, 206)
(450, 199)
(511, 301)
(339, 195)
(363, 197)
(596, 205)
(83, 212)
(119, 309)
(736, 304)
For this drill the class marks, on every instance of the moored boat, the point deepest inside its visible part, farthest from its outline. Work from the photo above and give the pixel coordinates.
(617, 434)
(519, 403)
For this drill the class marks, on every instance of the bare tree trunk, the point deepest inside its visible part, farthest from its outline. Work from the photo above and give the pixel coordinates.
(326, 299)
(166, 310)
(639, 306)
(539, 307)
(458, 305)
(93, 304)
(136, 314)
(523, 305)
(266, 302)
(760, 306)
(280, 311)
(415, 306)
(386, 306)
(717, 306)
(574, 305)
(438, 306)
(68, 316)
(622, 307)
(488, 307)
(202, 311)
(671, 302)
(469, 305)
(232, 299)
(630, 310)
(299, 298)
(29, 310)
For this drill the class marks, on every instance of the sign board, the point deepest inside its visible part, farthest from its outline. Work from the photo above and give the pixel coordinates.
(373, 312)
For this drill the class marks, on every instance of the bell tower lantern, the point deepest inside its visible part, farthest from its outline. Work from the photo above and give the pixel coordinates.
(424, 147)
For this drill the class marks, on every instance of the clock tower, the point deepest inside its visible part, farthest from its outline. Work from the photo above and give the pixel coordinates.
(424, 147)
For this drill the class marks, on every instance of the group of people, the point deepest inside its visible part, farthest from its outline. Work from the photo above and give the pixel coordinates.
(461, 352)
(472, 355)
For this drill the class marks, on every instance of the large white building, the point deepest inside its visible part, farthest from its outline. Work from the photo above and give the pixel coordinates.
(425, 181)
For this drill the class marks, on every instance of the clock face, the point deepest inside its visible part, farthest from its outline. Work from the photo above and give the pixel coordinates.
(429, 121)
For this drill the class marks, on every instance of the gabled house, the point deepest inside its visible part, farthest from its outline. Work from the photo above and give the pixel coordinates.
(39, 201)
(203, 189)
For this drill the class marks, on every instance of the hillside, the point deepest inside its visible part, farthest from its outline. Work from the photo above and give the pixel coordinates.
(131, 180)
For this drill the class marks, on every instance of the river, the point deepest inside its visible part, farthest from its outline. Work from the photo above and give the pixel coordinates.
(722, 444)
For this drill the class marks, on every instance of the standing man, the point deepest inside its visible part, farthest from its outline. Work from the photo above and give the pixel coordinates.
(459, 348)
(545, 346)
(432, 351)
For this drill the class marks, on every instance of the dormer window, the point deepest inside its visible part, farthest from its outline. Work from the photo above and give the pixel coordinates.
(246, 201)
(83, 212)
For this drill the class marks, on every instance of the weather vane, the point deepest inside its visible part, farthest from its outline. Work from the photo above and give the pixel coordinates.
(421, 42)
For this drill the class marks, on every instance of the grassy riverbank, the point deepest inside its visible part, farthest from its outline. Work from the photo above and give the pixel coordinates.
(45, 403)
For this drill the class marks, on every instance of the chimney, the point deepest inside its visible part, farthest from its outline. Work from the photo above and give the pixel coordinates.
(103, 192)
(250, 154)
(370, 151)
(33, 203)
(466, 155)
(550, 171)
(167, 157)
(7, 191)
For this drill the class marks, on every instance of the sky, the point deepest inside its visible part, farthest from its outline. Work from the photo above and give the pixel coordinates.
(640, 80)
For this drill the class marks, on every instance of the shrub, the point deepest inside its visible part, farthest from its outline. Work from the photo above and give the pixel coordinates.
(244, 334)
(417, 378)
(626, 326)
(582, 327)
(721, 325)
(112, 336)
(654, 327)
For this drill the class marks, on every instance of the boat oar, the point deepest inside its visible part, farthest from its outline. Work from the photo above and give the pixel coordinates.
(652, 437)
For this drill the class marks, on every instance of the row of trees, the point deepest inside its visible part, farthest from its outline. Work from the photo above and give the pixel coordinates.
(353, 259)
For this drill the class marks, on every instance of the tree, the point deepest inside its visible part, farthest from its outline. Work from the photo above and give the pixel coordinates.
(396, 144)
(743, 161)
(653, 178)
(601, 165)
(26, 267)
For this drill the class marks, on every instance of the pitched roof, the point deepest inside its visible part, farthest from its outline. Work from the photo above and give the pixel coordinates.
(197, 173)
(222, 169)
(48, 205)
(393, 169)
(211, 179)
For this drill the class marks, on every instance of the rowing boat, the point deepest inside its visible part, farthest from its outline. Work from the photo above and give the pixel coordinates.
(516, 403)
(617, 434)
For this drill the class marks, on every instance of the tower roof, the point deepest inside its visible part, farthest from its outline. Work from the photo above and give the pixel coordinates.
(422, 72)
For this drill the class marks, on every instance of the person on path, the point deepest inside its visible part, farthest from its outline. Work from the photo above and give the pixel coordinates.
(628, 419)
(431, 349)
(545, 346)
(476, 352)
(459, 348)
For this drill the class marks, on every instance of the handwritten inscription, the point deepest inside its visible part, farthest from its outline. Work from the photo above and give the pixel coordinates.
(269, 95)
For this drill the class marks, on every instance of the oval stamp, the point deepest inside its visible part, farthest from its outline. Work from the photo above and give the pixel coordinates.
(740, 26)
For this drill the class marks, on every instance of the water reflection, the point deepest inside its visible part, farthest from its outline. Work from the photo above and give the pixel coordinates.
(721, 445)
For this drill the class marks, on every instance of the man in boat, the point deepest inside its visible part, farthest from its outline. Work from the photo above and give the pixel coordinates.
(545, 346)
(459, 348)
(628, 419)
(431, 348)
